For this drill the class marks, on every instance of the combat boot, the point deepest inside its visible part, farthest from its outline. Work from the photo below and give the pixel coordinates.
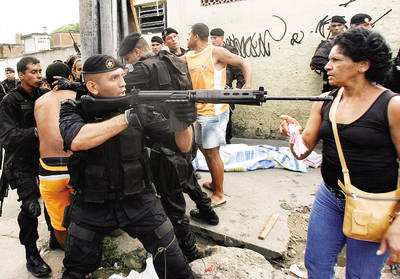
(192, 253)
(75, 275)
(209, 216)
(53, 242)
(34, 263)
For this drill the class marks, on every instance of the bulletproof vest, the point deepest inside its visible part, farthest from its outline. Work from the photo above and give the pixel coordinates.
(168, 72)
(25, 157)
(26, 106)
(115, 170)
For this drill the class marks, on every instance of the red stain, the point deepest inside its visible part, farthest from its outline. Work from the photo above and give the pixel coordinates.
(210, 268)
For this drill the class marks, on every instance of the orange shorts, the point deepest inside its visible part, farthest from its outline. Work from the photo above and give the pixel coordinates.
(54, 188)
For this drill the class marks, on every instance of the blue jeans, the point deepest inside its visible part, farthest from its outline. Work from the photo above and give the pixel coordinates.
(209, 131)
(325, 240)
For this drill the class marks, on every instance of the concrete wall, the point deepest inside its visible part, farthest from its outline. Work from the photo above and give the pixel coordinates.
(45, 58)
(279, 38)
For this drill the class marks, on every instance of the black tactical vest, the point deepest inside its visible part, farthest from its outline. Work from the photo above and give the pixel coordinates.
(26, 154)
(168, 72)
(115, 170)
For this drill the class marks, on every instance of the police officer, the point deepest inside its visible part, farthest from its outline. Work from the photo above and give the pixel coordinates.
(320, 58)
(156, 44)
(18, 135)
(171, 40)
(165, 163)
(9, 83)
(110, 175)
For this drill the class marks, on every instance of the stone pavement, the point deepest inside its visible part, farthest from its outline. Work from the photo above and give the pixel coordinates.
(251, 198)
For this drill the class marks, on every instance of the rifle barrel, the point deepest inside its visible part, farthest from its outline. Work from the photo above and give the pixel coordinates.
(237, 96)
(299, 98)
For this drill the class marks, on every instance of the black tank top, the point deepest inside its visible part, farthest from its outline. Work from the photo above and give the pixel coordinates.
(367, 147)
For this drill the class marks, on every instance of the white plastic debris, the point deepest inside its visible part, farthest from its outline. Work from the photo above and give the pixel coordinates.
(296, 271)
(148, 273)
(296, 139)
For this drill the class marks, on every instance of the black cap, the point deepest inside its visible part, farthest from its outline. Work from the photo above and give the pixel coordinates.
(100, 63)
(338, 19)
(217, 32)
(129, 43)
(157, 39)
(168, 31)
(9, 69)
(360, 19)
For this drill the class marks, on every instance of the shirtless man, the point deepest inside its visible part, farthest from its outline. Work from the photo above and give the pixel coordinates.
(53, 172)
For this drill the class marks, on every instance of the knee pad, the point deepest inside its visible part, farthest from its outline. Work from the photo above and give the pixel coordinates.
(31, 207)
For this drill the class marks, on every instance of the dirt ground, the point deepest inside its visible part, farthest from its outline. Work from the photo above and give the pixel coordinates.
(297, 222)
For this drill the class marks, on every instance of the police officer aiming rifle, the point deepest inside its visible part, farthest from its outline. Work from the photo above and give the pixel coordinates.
(110, 175)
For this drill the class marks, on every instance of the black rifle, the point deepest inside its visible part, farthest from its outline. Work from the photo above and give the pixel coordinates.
(77, 50)
(105, 106)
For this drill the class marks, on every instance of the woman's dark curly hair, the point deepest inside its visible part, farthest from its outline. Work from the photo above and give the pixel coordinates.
(361, 44)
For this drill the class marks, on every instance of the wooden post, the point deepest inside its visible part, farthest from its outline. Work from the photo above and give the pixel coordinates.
(268, 226)
(135, 18)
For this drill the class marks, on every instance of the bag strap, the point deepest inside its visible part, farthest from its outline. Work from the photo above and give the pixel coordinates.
(332, 118)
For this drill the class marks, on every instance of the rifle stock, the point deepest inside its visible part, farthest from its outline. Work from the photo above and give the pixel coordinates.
(104, 106)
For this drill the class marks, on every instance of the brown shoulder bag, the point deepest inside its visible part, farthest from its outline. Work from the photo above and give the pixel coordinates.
(367, 215)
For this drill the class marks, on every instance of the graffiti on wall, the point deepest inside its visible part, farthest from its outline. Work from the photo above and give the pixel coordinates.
(258, 45)
(344, 5)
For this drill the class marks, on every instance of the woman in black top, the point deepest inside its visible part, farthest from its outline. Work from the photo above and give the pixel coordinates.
(368, 118)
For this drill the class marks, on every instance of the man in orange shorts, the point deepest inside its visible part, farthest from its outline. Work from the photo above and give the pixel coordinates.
(53, 171)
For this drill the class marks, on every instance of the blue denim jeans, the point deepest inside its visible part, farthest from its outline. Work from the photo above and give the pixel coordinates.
(325, 240)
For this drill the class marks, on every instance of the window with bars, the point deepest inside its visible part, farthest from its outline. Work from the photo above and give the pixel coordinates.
(152, 18)
(216, 2)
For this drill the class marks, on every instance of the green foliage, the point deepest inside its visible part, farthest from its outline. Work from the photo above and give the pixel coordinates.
(110, 254)
(73, 27)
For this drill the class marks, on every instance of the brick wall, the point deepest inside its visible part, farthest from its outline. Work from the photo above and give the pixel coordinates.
(63, 39)
(11, 50)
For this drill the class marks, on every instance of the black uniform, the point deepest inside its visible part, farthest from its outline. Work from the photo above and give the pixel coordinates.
(18, 137)
(319, 61)
(112, 186)
(394, 81)
(17, 134)
(232, 73)
(183, 51)
(173, 172)
(6, 86)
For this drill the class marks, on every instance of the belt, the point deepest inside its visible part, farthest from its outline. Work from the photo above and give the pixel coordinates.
(336, 191)
(119, 196)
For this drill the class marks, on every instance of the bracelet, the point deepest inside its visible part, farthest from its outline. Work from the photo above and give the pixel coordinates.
(35, 131)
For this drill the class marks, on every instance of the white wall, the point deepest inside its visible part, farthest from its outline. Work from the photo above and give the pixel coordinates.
(29, 44)
(45, 58)
(290, 29)
(42, 43)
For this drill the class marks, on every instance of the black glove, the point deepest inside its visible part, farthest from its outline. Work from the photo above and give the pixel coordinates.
(31, 206)
(139, 116)
(182, 115)
(65, 84)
